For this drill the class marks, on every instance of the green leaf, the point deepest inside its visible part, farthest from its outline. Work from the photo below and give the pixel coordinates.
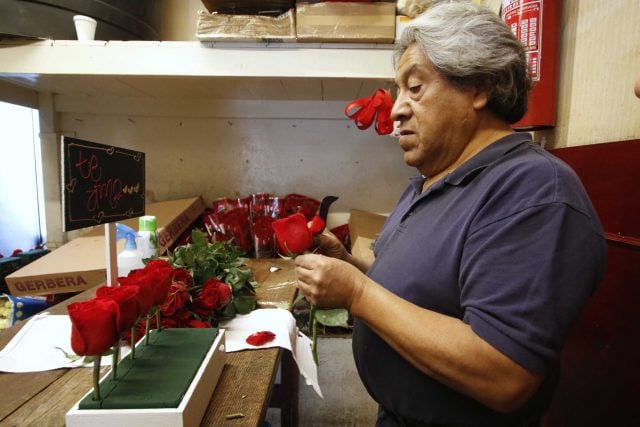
(332, 317)
(229, 311)
(198, 238)
(244, 305)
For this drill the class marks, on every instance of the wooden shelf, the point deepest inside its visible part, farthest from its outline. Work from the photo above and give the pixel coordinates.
(196, 69)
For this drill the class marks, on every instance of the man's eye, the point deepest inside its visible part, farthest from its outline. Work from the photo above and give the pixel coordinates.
(415, 88)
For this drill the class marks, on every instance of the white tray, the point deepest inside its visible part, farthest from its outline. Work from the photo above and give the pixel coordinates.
(188, 413)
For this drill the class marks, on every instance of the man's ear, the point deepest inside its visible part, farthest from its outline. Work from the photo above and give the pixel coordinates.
(480, 97)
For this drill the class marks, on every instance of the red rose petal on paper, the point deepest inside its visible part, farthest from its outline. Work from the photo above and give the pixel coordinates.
(261, 338)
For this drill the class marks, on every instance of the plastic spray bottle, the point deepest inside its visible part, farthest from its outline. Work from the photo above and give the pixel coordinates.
(148, 236)
(129, 258)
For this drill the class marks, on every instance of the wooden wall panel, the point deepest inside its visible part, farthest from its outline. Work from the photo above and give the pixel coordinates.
(600, 380)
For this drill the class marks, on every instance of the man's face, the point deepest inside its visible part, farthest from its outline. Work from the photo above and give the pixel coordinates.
(437, 119)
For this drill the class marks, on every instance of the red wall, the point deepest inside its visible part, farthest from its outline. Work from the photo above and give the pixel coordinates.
(600, 381)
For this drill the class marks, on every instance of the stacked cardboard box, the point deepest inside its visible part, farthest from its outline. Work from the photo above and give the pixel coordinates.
(81, 263)
(351, 22)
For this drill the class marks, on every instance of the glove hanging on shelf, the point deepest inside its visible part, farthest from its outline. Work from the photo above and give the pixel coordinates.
(363, 111)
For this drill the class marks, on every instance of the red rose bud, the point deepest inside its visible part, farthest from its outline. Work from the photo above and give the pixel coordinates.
(161, 274)
(182, 275)
(125, 297)
(214, 295)
(177, 299)
(316, 225)
(145, 297)
(260, 338)
(94, 326)
(295, 234)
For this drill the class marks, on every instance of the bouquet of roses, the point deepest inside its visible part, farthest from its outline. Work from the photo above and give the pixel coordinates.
(211, 282)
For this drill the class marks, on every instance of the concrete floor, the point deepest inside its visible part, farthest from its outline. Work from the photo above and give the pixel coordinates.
(346, 403)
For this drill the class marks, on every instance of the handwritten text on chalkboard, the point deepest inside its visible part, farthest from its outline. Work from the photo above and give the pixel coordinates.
(101, 183)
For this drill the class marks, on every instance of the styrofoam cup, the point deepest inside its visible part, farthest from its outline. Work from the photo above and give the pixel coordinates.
(85, 27)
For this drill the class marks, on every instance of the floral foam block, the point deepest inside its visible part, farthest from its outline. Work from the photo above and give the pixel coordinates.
(131, 400)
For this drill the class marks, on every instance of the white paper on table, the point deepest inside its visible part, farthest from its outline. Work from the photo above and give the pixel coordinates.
(41, 345)
(282, 323)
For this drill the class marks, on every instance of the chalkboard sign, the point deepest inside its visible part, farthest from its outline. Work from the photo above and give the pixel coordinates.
(100, 183)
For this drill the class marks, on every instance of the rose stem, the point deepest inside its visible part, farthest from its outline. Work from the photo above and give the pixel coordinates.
(114, 360)
(96, 377)
(146, 329)
(133, 341)
(314, 332)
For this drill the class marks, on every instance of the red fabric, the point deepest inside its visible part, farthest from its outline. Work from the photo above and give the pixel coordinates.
(377, 107)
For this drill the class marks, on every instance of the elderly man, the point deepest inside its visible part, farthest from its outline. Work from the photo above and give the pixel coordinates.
(489, 256)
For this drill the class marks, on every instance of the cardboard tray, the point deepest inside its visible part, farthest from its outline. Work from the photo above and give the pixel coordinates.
(189, 413)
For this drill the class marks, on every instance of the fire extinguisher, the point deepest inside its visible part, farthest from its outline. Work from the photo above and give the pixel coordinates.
(536, 23)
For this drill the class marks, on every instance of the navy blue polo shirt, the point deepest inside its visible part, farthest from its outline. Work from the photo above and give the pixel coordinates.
(510, 244)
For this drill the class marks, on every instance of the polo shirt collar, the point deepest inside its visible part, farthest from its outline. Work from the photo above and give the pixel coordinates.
(478, 162)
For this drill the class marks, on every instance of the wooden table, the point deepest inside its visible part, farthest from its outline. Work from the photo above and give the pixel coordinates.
(246, 385)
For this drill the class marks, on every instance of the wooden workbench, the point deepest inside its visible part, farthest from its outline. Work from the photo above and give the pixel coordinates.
(246, 385)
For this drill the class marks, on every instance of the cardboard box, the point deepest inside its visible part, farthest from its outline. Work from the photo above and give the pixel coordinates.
(364, 228)
(346, 22)
(246, 28)
(81, 263)
(249, 7)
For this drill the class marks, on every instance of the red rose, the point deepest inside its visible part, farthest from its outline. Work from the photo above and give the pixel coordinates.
(94, 327)
(145, 296)
(178, 297)
(183, 276)
(294, 235)
(154, 281)
(161, 274)
(214, 295)
(194, 323)
(125, 297)
(260, 338)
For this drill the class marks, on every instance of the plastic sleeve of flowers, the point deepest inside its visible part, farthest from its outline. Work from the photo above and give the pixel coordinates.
(96, 377)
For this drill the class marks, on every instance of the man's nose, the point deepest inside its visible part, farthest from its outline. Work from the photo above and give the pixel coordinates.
(400, 109)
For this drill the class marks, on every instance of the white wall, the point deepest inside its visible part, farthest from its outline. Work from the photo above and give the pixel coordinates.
(216, 157)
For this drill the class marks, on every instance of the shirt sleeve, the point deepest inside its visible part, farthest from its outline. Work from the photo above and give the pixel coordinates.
(525, 278)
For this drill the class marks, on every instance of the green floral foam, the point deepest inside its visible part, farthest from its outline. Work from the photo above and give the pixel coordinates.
(160, 374)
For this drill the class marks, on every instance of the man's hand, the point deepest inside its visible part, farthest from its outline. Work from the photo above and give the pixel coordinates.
(328, 282)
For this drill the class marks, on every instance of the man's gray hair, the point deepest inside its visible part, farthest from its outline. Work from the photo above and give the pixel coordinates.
(471, 46)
